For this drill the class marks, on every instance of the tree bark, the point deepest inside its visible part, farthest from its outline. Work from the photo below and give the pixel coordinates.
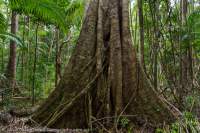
(23, 53)
(103, 77)
(185, 59)
(35, 65)
(58, 57)
(141, 24)
(11, 67)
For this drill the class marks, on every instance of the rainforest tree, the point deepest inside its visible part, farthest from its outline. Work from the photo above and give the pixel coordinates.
(99, 74)
(103, 77)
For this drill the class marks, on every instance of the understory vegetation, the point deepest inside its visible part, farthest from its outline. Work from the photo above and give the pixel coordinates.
(38, 46)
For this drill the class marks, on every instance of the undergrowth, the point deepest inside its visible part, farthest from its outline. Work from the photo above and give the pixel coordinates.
(187, 124)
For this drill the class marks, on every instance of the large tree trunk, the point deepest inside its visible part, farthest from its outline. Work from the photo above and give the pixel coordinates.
(103, 77)
(11, 68)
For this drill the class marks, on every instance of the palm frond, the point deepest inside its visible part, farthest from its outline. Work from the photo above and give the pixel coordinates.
(74, 12)
(44, 10)
(12, 37)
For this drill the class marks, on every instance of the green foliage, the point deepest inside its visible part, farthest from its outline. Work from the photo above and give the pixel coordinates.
(64, 14)
(74, 12)
(44, 10)
(191, 30)
(67, 15)
(124, 122)
(4, 34)
(3, 24)
(188, 124)
(12, 37)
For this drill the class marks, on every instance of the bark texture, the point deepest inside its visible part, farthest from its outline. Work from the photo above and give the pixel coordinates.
(11, 68)
(103, 77)
(141, 24)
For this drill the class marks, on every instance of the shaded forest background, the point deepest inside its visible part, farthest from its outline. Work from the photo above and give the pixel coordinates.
(38, 37)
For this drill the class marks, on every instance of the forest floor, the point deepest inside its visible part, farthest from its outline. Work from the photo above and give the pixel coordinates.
(18, 125)
(12, 123)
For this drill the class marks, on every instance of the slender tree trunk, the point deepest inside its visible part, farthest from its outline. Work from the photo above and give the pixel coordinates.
(23, 53)
(103, 77)
(28, 57)
(156, 38)
(11, 68)
(35, 65)
(2, 56)
(183, 58)
(58, 58)
(141, 24)
(136, 29)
